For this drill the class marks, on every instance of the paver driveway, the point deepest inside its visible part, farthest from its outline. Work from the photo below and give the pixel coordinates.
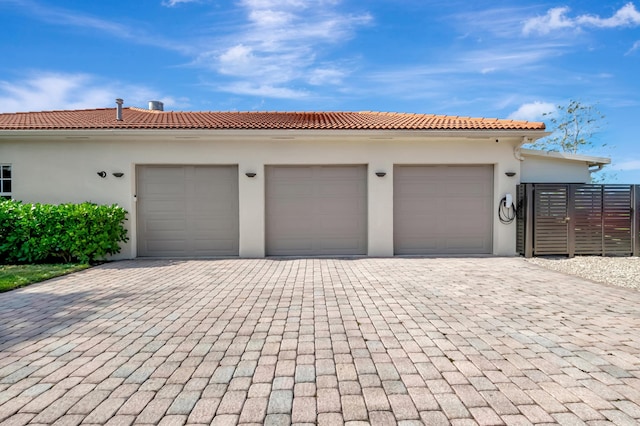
(279, 341)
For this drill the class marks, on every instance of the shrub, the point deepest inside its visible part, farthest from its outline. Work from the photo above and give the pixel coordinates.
(86, 232)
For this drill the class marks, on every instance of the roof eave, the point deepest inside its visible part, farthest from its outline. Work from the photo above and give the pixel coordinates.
(382, 133)
(590, 160)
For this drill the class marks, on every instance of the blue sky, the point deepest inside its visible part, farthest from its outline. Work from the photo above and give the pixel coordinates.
(506, 59)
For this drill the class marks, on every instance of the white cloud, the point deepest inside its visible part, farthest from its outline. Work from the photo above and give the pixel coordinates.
(173, 3)
(65, 17)
(501, 22)
(51, 91)
(627, 16)
(506, 57)
(263, 90)
(635, 47)
(281, 45)
(322, 76)
(557, 19)
(533, 111)
(461, 68)
(55, 91)
(237, 60)
(62, 16)
(270, 18)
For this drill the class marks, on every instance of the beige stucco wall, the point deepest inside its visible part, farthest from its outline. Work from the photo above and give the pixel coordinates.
(553, 170)
(55, 169)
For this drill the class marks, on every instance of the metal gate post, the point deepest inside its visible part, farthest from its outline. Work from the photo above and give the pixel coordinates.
(529, 220)
(571, 219)
(635, 222)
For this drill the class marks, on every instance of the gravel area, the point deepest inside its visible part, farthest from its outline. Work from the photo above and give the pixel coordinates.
(619, 271)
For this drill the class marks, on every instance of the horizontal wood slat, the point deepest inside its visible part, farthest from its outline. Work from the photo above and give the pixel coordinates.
(617, 219)
(550, 230)
(587, 220)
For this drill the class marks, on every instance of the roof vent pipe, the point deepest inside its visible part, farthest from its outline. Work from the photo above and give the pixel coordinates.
(156, 106)
(119, 103)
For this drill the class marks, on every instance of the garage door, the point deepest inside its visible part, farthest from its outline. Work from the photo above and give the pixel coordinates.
(187, 211)
(443, 209)
(316, 210)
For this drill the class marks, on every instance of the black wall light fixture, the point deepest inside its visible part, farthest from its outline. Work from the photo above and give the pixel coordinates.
(102, 174)
(510, 174)
(118, 174)
(381, 174)
(250, 174)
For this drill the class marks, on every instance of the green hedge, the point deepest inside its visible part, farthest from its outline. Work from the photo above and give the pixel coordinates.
(33, 233)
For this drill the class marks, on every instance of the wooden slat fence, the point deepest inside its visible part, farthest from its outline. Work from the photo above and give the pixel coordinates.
(578, 219)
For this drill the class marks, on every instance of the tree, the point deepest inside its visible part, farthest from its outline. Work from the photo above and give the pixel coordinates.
(573, 127)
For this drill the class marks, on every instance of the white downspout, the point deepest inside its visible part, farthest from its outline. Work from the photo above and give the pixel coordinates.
(517, 150)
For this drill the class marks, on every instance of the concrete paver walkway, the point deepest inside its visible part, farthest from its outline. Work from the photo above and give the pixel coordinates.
(329, 341)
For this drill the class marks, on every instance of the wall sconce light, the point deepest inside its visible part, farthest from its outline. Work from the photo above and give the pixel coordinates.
(250, 174)
(102, 174)
(381, 174)
(118, 174)
(510, 174)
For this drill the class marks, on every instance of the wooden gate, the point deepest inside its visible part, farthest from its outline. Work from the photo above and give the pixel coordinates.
(583, 219)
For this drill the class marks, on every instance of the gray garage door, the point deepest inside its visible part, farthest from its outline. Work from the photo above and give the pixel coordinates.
(316, 210)
(443, 209)
(187, 211)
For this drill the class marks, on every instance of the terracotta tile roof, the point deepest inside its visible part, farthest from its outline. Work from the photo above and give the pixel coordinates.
(136, 118)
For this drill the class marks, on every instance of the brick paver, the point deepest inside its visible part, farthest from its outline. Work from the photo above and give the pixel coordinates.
(406, 341)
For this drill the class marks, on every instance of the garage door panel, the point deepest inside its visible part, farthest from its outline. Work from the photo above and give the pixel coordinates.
(337, 244)
(290, 172)
(212, 228)
(163, 207)
(461, 207)
(164, 174)
(294, 186)
(333, 229)
(342, 189)
(300, 245)
(316, 210)
(205, 195)
(464, 190)
(339, 173)
(459, 243)
(213, 211)
(420, 244)
(166, 245)
(294, 228)
(223, 186)
(204, 245)
(410, 189)
(418, 228)
(187, 211)
(297, 214)
(467, 174)
(340, 209)
(443, 209)
(417, 206)
(165, 190)
(167, 225)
